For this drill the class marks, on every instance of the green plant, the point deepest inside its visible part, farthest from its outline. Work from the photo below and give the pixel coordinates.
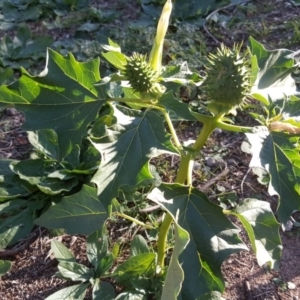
(101, 260)
(5, 266)
(24, 50)
(93, 139)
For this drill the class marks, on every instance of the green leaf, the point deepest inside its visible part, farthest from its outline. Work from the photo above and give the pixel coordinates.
(11, 185)
(74, 271)
(62, 98)
(177, 109)
(278, 154)
(61, 252)
(81, 213)
(272, 70)
(211, 296)
(36, 172)
(77, 292)
(97, 252)
(118, 60)
(212, 237)
(12, 13)
(128, 146)
(175, 274)
(262, 229)
(132, 295)
(138, 245)
(5, 266)
(45, 141)
(139, 265)
(17, 217)
(103, 291)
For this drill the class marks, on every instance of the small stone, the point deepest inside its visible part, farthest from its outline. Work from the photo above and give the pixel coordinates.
(197, 166)
(291, 285)
(218, 131)
(11, 111)
(289, 225)
(210, 162)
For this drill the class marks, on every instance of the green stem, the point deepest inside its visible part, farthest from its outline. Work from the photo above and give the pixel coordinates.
(134, 220)
(162, 241)
(234, 128)
(184, 175)
(172, 130)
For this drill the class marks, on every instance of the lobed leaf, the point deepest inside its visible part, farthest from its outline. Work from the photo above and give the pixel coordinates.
(81, 213)
(271, 70)
(278, 154)
(262, 229)
(127, 148)
(62, 98)
(212, 237)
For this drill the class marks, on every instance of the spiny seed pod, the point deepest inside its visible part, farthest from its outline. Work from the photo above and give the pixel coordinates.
(227, 80)
(139, 73)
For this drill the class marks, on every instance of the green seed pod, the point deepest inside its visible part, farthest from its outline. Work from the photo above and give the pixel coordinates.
(227, 80)
(139, 73)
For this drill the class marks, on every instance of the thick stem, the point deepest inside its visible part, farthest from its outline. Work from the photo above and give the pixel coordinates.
(184, 175)
(162, 241)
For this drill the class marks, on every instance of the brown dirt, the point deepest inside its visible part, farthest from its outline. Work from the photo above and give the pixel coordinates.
(33, 273)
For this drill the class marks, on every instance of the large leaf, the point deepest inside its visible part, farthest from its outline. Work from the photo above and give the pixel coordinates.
(74, 271)
(262, 229)
(62, 98)
(272, 70)
(81, 213)
(11, 185)
(139, 265)
(128, 146)
(278, 153)
(212, 237)
(37, 172)
(45, 141)
(103, 291)
(17, 217)
(77, 292)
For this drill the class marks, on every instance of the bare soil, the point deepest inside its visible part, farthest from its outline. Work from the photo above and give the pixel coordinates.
(32, 276)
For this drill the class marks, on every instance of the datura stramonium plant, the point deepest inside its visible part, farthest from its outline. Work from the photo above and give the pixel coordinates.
(142, 74)
(227, 80)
